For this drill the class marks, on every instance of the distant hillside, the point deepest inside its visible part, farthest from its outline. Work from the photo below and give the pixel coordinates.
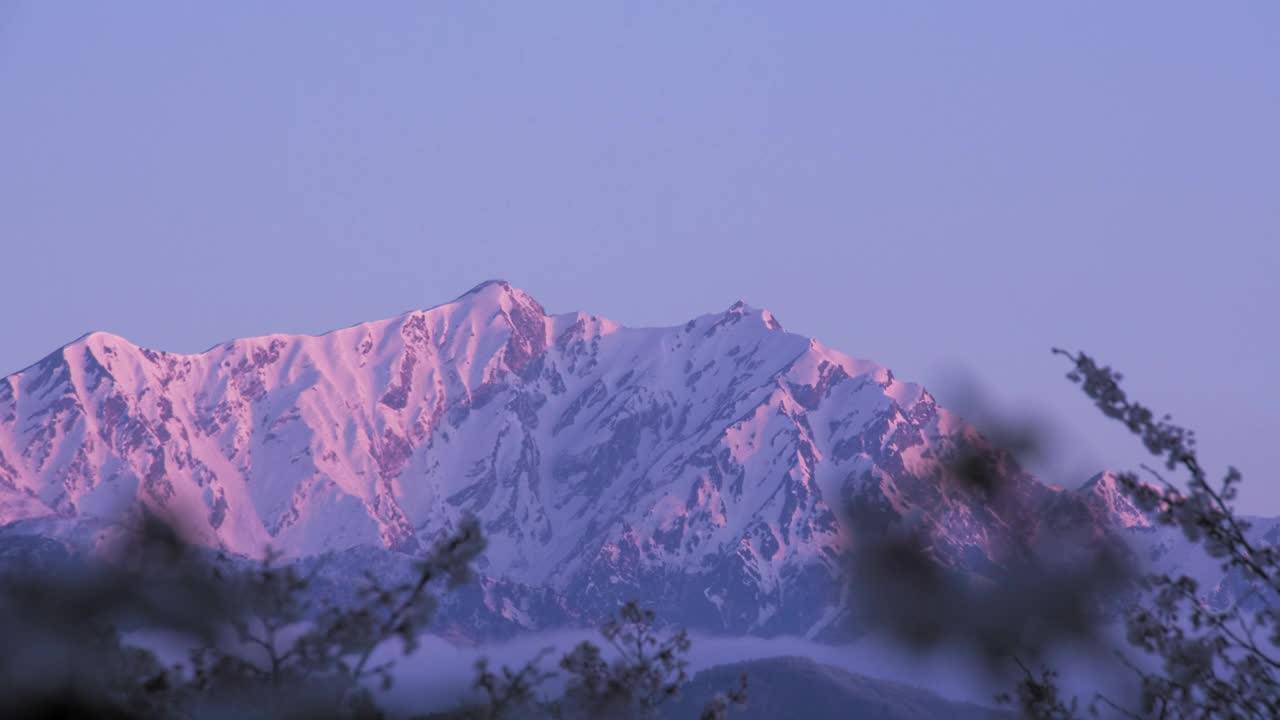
(794, 687)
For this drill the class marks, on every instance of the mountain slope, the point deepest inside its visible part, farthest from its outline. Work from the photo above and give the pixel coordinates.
(705, 465)
(799, 687)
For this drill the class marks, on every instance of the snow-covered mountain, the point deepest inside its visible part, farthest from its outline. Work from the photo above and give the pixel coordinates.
(704, 466)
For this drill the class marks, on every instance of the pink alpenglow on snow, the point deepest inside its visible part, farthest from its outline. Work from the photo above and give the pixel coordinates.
(710, 461)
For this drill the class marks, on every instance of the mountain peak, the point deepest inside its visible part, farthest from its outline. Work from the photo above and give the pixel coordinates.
(501, 295)
(1105, 491)
(742, 308)
(494, 285)
(97, 336)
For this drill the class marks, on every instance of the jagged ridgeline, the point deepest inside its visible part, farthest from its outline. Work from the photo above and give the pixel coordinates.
(702, 468)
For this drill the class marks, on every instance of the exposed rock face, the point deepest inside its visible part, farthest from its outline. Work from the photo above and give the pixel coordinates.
(703, 467)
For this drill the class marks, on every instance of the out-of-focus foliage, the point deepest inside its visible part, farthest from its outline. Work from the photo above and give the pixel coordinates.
(630, 678)
(1044, 588)
(1191, 658)
(899, 586)
(59, 618)
(262, 646)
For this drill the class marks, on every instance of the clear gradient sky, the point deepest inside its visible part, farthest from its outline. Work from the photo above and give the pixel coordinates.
(935, 186)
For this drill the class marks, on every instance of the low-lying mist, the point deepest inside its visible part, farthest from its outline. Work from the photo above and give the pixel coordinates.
(439, 674)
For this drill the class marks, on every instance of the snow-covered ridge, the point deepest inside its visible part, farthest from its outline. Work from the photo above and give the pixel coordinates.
(708, 462)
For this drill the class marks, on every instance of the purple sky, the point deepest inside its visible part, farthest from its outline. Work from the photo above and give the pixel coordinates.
(940, 186)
